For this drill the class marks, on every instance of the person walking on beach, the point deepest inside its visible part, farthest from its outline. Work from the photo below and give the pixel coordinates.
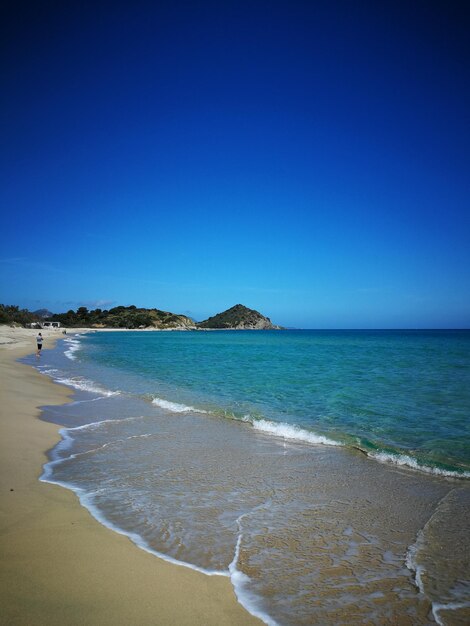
(39, 342)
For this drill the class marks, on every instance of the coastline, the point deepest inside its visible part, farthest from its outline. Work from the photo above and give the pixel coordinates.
(59, 565)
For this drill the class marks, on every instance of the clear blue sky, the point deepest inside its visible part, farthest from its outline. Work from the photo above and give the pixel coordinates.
(307, 159)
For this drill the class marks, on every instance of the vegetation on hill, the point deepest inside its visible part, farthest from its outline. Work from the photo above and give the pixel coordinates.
(239, 317)
(119, 317)
(43, 314)
(11, 314)
(122, 317)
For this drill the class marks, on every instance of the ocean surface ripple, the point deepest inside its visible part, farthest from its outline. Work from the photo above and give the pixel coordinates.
(324, 472)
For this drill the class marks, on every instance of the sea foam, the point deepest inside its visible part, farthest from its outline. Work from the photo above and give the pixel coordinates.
(87, 500)
(86, 385)
(412, 564)
(241, 582)
(77, 382)
(408, 461)
(74, 345)
(451, 606)
(175, 407)
(288, 431)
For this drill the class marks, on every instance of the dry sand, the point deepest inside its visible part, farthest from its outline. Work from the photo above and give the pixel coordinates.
(58, 564)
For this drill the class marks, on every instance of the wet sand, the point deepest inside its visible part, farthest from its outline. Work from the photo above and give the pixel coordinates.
(59, 565)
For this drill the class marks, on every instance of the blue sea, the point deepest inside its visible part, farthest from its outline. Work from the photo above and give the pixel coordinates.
(325, 472)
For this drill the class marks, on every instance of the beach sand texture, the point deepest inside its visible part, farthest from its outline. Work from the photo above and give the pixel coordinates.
(59, 565)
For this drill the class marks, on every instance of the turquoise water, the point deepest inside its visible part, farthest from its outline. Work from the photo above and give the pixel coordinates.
(399, 393)
(254, 455)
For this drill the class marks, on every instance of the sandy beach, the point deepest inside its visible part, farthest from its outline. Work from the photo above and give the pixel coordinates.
(59, 565)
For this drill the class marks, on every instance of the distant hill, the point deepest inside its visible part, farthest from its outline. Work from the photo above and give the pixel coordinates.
(12, 314)
(239, 317)
(124, 317)
(43, 314)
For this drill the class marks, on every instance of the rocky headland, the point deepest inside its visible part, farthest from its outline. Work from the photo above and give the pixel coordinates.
(238, 317)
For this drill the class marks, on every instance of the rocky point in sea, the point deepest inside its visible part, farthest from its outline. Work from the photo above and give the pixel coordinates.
(239, 317)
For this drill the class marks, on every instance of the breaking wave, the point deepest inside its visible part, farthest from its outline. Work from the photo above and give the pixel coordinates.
(408, 461)
(175, 407)
(86, 385)
(287, 431)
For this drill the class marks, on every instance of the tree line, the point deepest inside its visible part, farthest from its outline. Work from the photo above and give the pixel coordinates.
(117, 317)
(12, 314)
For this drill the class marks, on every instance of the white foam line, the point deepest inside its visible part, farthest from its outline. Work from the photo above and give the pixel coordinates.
(74, 345)
(80, 383)
(65, 443)
(67, 439)
(452, 606)
(174, 407)
(295, 433)
(238, 578)
(76, 455)
(288, 431)
(90, 400)
(411, 561)
(86, 385)
(240, 581)
(97, 424)
(85, 500)
(408, 461)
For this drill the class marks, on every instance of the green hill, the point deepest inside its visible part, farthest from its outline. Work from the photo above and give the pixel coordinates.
(239, 317)
(123, 317)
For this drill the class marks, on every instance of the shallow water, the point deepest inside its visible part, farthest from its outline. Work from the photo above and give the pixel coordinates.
(308, 533)
(402, 393)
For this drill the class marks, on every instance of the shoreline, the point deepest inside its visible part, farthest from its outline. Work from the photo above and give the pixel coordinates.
(380, 453)
(59, 565)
